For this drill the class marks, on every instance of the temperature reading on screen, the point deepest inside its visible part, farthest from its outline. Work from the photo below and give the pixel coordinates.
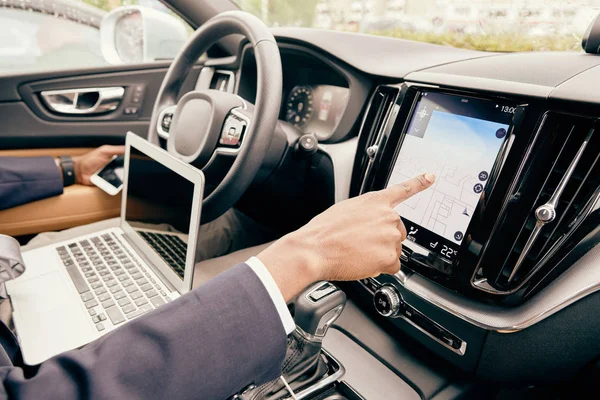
(448, 252)
(507, 109)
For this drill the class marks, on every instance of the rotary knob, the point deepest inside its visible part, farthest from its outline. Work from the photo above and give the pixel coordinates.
(387, 301)
(545, 213)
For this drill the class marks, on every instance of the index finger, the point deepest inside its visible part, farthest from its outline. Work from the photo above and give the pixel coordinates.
(402, 191)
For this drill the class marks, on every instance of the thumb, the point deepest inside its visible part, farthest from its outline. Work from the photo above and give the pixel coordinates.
(113, 150)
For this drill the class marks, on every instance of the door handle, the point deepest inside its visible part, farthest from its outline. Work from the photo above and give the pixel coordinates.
(85, 101)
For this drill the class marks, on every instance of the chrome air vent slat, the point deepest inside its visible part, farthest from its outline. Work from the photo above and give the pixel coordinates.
(377, 119)
(546, 213)
(555, 191)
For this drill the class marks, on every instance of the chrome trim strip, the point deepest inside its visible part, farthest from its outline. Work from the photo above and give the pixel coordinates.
(336, 376)
(109, 98)
(161, 132)
(579, 281)
(463, 347)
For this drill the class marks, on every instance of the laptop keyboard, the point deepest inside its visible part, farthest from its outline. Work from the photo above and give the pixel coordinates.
(170, 247)
(110, 281)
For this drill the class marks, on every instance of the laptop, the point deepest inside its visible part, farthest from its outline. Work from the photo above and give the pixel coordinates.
(75, 291)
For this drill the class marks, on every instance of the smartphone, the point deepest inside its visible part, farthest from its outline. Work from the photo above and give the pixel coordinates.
(110, 177)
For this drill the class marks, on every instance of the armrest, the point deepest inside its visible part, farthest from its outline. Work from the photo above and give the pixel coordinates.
(78, 205)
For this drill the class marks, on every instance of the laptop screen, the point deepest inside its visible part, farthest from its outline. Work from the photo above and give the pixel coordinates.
(159, 208)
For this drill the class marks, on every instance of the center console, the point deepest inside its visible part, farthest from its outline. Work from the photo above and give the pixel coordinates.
(493, 256)
(327, 364)
(515, 190)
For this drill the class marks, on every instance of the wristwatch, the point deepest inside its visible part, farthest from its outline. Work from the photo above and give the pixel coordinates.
(68, 170)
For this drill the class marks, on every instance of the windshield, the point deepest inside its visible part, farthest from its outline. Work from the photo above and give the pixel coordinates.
(489, 25)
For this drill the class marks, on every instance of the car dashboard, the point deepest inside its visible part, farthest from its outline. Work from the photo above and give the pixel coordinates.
(315, 92)
(499, 271)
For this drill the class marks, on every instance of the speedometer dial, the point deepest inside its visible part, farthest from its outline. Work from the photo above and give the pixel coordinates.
(299, 106)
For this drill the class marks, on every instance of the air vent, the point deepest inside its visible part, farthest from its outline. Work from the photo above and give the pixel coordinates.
(372, 139)
(553, 197)
(222, 81)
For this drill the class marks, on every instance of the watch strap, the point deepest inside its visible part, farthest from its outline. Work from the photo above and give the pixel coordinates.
(68, 170)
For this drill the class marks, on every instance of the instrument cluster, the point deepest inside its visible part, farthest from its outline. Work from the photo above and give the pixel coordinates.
(315, 109)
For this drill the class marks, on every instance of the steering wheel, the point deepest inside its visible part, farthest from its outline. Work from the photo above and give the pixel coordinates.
(209, 123)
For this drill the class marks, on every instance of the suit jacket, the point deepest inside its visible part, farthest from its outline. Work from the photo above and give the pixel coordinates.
(26, 179)
(209, 344)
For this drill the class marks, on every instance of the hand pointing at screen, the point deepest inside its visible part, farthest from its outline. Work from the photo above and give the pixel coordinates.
(354, 239)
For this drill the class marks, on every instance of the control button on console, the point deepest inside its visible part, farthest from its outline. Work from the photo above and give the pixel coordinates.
(371, 284)
(387, 301)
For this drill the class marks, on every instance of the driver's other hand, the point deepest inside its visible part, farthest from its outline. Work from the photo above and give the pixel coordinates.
(354, 239)
(88, 164)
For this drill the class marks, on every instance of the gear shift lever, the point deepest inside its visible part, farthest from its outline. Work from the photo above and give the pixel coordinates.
(317, 308)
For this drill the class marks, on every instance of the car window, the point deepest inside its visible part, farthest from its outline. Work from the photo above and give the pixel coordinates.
(42, 35)
(489, 25)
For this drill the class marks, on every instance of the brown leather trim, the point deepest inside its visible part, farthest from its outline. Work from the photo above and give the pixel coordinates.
(78, 205)
(45, 152)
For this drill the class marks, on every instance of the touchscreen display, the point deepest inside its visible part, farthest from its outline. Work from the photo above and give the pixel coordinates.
(458, 139)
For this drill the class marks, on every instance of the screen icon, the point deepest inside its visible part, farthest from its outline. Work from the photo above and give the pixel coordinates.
(478, 188)
(423, 113)
(458, 236)
(433, 245)
(413, 231)
(483, 175)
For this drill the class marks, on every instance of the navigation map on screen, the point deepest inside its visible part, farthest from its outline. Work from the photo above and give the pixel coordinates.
(461, 151)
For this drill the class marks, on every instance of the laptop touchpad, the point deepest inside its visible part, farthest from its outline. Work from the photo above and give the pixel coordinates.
(34, 297)
(56, 312)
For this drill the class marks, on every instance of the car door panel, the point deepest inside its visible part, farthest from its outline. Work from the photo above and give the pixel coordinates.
(28, 123)
(78, 205)
(30, 129)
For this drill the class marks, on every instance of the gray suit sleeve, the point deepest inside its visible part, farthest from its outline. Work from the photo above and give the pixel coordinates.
(208, 344)
(26, 179)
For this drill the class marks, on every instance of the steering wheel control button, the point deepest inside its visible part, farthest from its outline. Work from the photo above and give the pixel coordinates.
(387, 301)
(545, 213)
(166, 121)
(233, 130)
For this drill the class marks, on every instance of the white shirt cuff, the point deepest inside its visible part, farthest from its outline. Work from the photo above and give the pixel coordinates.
(267, 280)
